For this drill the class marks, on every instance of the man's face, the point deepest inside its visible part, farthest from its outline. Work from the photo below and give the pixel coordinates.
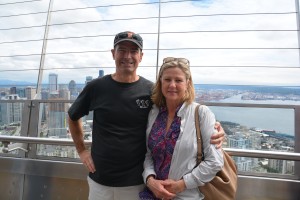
(127, 56)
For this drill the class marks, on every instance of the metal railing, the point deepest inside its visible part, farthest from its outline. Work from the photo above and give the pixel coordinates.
(233, 152)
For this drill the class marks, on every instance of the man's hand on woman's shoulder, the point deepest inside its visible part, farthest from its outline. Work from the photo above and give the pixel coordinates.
(219, 137)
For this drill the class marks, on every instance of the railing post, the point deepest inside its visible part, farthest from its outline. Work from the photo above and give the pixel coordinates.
(44, 48)
(34, 121)
(297, 139)
(158, 38)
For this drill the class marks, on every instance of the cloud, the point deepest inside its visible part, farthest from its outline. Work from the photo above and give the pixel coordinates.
(212, 37)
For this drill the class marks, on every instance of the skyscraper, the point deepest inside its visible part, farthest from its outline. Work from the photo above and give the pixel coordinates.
(56, 120)
(53, 87)
(88, 79)
(13, 90)
(11, 112)
(101, 73)
(21, 92)
(30, 92)
(72, 88)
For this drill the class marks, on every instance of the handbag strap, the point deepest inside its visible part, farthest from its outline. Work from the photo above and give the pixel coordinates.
(200, 155)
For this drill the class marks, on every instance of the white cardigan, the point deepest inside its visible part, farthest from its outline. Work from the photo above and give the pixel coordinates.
(185, 152)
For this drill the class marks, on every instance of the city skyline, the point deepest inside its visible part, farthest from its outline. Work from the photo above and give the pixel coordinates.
(204, 93)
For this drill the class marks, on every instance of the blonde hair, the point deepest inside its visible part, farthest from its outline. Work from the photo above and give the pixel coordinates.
(170, 62)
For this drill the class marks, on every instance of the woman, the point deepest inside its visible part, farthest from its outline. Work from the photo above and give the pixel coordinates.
(170, 170)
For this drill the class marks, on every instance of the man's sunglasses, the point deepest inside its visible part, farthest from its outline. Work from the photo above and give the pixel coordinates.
(129, 35)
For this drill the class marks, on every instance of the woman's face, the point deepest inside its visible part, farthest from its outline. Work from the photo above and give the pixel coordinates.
(174, 84)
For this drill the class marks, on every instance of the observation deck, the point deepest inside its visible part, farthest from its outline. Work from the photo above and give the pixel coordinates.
(50, 49)
(37, 167)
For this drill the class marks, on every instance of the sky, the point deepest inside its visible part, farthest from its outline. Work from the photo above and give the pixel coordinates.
(251, 47)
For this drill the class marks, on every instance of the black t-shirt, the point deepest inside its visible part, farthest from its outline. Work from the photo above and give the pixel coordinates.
(119, 128)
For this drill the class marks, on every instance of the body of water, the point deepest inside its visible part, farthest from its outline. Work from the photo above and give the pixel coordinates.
(278, 119)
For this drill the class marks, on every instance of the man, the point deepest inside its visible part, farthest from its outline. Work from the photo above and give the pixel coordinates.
(121, 103)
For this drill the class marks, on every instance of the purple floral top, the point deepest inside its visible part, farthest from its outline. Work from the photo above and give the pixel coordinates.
(161, 143)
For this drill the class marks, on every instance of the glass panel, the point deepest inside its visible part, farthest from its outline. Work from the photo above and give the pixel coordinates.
(53, 124)
(10, 120)
(57, 151)
(265, 129)
(268, 129)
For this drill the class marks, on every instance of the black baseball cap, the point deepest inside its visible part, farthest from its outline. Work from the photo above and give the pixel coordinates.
(129, 36)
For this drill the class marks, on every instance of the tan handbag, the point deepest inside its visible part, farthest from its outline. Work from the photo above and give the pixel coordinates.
(224, 185)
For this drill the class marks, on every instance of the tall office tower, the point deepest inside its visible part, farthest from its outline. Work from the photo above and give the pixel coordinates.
(2, 94)
(57, 120)
(11, 112)
(90, 115)
(63, 87)
(44, 95)
(64, 94)
(72, 88)
(13, 90)
(241, 142)
(21, 92)
(88, 79)
(101, 73)
(53, 86)
(30, 92)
